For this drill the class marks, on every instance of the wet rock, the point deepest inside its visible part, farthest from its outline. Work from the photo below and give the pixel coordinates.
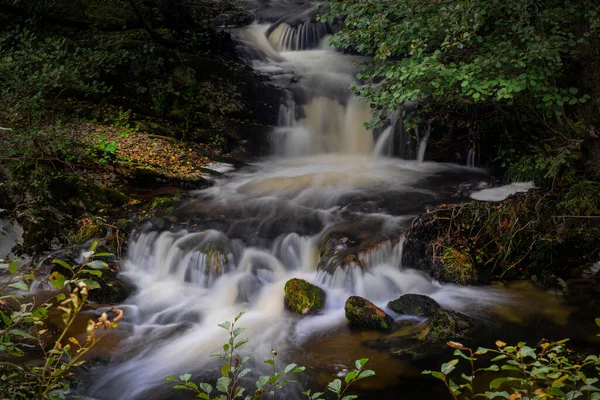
(234, 19)
(415, 304)
(361, 313)
(447, 325)
(302, 297)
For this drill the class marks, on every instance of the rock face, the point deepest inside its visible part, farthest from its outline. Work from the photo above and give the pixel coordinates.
(415, 304)
(361, 313)
(302, 297)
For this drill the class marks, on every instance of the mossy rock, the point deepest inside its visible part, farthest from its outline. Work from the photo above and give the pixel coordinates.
(415, 304)
(361, 313)
(302, 297)
(447, 325)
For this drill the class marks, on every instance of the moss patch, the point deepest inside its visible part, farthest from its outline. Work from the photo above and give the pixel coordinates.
(361, 313)
(302, 297)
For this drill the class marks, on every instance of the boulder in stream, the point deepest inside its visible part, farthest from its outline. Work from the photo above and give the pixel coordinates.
(415, 304)
(361, 313)
(303, 297)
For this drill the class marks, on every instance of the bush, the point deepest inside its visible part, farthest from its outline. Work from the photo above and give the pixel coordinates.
(548, 371)
(229, 385)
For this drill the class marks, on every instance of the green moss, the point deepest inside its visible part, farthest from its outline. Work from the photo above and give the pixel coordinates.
(302, 297)
(458, 266)
(88, 229)
(163, 203)
(447, 325)
(361, 313)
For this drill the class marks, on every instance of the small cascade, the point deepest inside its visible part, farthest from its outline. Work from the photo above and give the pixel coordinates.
(305, 35)
(423, 142)
(471, 158)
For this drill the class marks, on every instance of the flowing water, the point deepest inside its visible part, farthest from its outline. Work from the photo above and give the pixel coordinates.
(233, 246)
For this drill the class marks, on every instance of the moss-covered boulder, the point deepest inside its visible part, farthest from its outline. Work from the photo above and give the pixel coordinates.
(446, 325)
(361, 313)
(302, 297)
(415, 304)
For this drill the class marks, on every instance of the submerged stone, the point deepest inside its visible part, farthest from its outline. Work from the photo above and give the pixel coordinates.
(415, 304)
(303, 297)
(447, 325)
(361, 313)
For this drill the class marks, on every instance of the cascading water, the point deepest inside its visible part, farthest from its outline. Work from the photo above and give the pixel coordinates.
(241, 240)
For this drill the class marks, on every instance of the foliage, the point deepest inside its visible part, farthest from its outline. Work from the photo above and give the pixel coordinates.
(229, 385)
(507, 52)
(538, 233)
(548, 371)
(24, 328)
(513, 62)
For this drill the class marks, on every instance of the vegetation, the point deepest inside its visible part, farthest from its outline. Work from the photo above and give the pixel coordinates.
(548, 371)
(517, 77)
(230, 385)
(539, 234)
(25, 329)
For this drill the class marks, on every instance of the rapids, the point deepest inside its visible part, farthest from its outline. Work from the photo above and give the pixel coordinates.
(233, 246)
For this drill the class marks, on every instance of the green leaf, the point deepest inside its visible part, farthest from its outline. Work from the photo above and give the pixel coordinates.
(225, 325)
(449, 366)
(206, 387)
(12, 267)
(57, 280)
(241, 343)
(270, 362)
(350, 375)
(97, 264)
(103, 255)
(19, 285)
(92, 272)
(366, 373)
(598, 321)
(361, 363)
(91, 284)
(237, 331)
(5, 318)
(63, 264)
(350, 397)
(335, 386)
(225, 370)
(18, 332)
(261, 381)
(170, 378)
(223, 384)
(495, 384)
(289, 368)
(493, 395)
(573, 90)
(244, 372)
(185, 377)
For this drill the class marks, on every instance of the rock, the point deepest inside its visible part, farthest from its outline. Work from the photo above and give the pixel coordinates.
(447, 325)
(361, 313)
(234, 19)
(415, 304)
(302, 297)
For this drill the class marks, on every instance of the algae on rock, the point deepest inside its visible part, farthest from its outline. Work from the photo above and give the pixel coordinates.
(303, 297)
(361, 313)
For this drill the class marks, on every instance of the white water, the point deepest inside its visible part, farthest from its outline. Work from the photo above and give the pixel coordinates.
(189, 281)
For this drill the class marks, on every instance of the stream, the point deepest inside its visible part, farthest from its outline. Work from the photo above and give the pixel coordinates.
(233, 246)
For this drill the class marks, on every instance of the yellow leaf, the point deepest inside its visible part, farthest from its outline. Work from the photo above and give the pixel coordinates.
(500, 344)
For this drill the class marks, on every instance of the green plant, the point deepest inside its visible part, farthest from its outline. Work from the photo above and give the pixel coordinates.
(229, 385)
(24, 328)
(548, 371)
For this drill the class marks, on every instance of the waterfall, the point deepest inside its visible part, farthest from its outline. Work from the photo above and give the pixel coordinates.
(239, 241)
